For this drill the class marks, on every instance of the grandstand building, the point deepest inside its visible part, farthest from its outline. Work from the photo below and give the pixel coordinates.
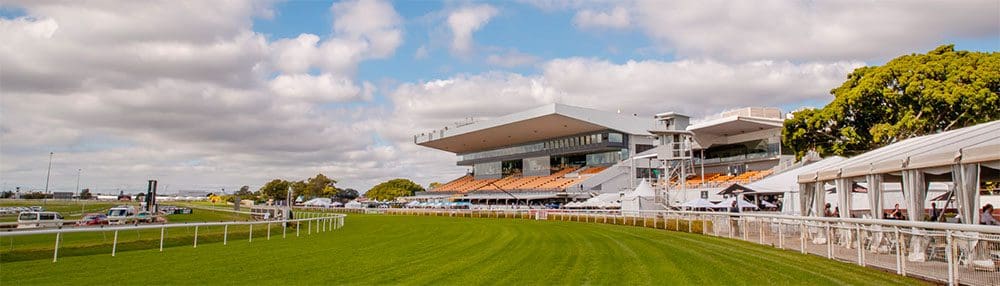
(561, 153)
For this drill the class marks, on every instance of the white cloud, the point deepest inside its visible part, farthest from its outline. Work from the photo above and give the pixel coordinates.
(421, 53)
(295, 55)
(466, 20)
(812, 30)
(511, 59)
(321, 88)
(791, 30)
(376, 22)
(617, 18)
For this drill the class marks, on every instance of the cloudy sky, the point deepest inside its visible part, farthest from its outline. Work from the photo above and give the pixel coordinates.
(204, 95)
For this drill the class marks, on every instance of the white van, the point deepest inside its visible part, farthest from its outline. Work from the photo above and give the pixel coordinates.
(121, 214)
(35, 219)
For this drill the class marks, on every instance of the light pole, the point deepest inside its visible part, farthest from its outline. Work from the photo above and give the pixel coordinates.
(47, 174)
(78, 171)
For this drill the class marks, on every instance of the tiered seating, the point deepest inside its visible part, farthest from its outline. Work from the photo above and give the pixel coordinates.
(716, 179)
(555, 181)
(695, 180)
(592, 170)
(454, 185)
(544, 181)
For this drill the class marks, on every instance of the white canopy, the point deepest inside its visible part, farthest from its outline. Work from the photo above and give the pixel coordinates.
(318, 202)
(698, 203)
(974, 144)
(729, 203)
(606, 200)
(787, 181)
(353, 204)
(643, 190)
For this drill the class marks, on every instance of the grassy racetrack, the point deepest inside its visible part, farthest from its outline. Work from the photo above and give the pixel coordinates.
(442, 250)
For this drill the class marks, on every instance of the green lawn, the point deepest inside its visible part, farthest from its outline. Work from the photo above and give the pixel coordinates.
(455, 251)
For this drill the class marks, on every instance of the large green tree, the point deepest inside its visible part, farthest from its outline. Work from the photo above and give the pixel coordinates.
(320, 186)
(909, 96)
(392, 189)
(275, 189)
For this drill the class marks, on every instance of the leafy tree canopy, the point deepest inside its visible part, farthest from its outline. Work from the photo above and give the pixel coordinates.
(85, 194)
(909, 96)
(275, 189)
(347, 195)
(244, 192)
(392, 189)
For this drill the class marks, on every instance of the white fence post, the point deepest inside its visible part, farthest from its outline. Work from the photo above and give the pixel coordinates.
(803, 235)
(196, 236)
(860, 240)
(899, 252)
(225, 235)
(950, 252)
(162, 231)
(829, 241)
(268, 230)
(114, 245)
(55, 253)
(760, 231)
(251, 232)
(781, 234)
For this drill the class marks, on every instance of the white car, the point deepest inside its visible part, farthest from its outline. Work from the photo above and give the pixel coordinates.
(121, 214)
(35, 219)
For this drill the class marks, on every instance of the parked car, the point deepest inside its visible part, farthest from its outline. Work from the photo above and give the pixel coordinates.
(39, 219)
(93, 219)
(144, 216)
(121, 214)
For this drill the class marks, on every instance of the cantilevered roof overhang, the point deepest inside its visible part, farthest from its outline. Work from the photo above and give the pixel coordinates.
(734, 125)
(541, 123)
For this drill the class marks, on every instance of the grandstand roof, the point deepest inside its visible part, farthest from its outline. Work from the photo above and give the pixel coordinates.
(974, 144)
(736, 124)
(544, 122)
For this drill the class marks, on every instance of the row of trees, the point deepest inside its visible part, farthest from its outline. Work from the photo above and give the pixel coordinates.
(319, 186)
(84, 195)
(392, 189)
(909, 96)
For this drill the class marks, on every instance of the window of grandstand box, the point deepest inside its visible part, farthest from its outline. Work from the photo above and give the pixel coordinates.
(490, 170)
(538, 166)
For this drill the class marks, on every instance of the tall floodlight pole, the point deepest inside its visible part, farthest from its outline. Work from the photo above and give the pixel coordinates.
(47, 174)
(78, 171)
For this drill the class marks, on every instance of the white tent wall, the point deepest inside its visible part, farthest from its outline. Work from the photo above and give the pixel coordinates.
(790, 204)
(642, 198)
(845, 188)
(681, 196)
(875, 191)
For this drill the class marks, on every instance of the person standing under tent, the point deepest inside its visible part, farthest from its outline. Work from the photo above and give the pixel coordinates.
(986, 216)
(934, 212)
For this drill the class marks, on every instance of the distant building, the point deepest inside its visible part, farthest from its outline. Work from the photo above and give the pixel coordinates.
(62, 195)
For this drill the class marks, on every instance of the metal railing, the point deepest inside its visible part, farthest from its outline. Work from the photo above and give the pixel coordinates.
(314, 221)
(956, 254)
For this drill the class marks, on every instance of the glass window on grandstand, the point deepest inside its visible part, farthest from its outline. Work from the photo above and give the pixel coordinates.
(605, 158)
(615, 138)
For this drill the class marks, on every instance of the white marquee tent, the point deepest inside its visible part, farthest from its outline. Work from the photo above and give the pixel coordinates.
(642, 198)
(958, 156)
